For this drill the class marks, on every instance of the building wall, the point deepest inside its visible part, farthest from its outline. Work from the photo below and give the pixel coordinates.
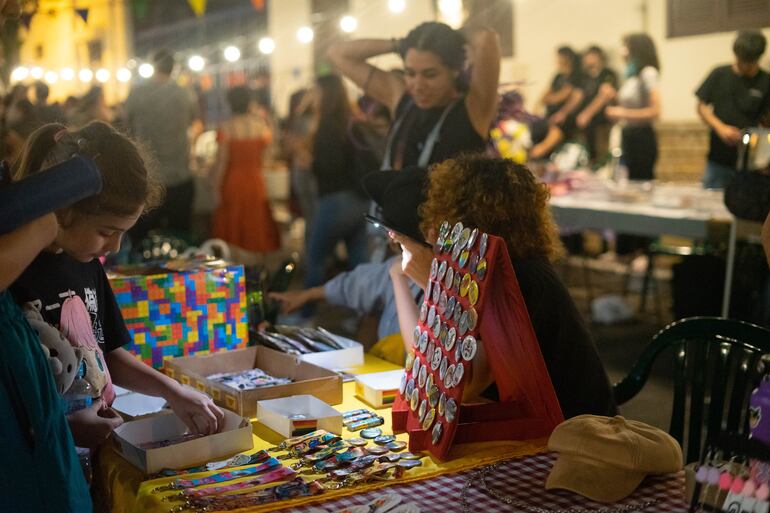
(539, 27)
(58, 38)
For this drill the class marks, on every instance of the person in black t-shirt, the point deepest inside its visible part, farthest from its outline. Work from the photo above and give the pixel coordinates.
(733, 97)
(565, 93)
(600, 85)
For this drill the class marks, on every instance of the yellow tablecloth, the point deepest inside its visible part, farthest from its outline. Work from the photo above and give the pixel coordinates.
(129, 492)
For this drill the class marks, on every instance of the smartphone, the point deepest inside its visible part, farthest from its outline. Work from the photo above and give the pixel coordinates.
(379, 223)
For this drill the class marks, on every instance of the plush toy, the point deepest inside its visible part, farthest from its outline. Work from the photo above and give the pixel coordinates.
(75, 324)
(63, 359)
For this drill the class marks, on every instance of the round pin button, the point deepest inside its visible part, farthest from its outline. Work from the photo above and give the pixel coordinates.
(473, 293)
(459, 352)
(410, 456)
(447, 245)
(449, 377)
(435, 294)
(377, 450)
(449, 278)
(473, 318)
(423, 375)
(422, 410)
(483, 241)
(473, 263)
(458, 313)
(442, 368)
(436, 360)
(456, 283)
(384, 439)
(417, 333)
(371, 433)
(402, 385)
(433, 269)
(442, 302)
(463, 327)
(415, 367)
(436, 327)
(428, 384)
(429, 291)
(451, 410)
(431, 316)
(409, 361)
(357, 442)
(450, 306)
(469, 348)
(451, 338)
(465, 285)
(458, 228)
(415, 400)
(396, 446)
(441, 271)
(391, 457)
(442, 336)
(437, 432)
(430, 416)
(423, 312)
(429, 352)
(464, 258)
(462, 240)
(443, 229)
(423, 341)
(481, 270)
(404, 463)
(472, 238)
(456, 250)
(433, 396)
(458, 375)
(442, 404)
(409, 389)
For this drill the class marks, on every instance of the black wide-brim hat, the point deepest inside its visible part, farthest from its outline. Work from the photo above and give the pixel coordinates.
(399, 194)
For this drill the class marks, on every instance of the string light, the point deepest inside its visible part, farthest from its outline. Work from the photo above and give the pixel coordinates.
(36, 72)
(51, 77)
(19, 74)
(102, 75)
(196, 63)
(305, 35)
(123, 75)
(348, 24)
(146, 70)
(86, 75)
(232, 54)
(67, 74)
(266, 45)
(397, 6)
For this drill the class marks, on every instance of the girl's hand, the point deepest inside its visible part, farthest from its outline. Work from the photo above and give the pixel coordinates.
(196, 410)
(615, 113)
(415, 259)
(90, 427)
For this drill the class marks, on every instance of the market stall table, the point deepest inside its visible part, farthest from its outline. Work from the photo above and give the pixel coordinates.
(129, 491)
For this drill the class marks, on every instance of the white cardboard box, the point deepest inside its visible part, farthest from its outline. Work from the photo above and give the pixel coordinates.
(132, 405)
(235, 437)
(298, 414)
(379, 389)
(351, 356)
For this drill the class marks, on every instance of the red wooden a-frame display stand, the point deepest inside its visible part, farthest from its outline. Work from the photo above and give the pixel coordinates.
(528, 406)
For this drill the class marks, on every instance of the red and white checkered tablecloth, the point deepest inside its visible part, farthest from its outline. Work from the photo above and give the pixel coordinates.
(520, 479)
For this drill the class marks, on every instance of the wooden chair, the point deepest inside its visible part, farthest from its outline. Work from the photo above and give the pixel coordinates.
(715, 369)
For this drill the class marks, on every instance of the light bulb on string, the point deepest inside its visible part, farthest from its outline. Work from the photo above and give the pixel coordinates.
(102, 75)
(51, 77)
(67, 74)
(19, 74)
(146, 70)
(37, 72)
(348, 24)
(305, 35)
(86, 75)
(232, 54)
(397, 6)
(196, 63)
(123, 75)
(266, 45)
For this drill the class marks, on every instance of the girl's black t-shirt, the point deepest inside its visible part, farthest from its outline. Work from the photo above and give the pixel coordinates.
(51, 278)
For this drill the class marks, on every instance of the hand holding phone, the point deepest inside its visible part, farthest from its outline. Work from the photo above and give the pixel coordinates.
(379, 223)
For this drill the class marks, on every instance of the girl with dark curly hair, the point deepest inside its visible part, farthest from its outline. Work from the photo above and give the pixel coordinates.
(502, 198)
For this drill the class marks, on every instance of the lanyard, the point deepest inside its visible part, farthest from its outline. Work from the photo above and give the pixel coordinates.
(291, 442)
(310, 446)
(430, 141)
(295, 488)
(276, 475)
(225, 476)
(239, 460)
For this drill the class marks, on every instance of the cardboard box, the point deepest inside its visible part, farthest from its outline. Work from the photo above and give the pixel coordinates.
(298, 415)
(351, 356)
(379, 389)
(235, 437)
(133, 405)
(182, 313)
(307, 378)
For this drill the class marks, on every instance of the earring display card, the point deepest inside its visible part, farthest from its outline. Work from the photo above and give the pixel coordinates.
(473, 305)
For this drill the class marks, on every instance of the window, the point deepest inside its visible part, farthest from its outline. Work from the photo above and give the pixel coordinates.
(692, 17)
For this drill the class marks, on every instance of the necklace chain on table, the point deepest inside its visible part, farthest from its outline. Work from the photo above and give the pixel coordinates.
(481, 476)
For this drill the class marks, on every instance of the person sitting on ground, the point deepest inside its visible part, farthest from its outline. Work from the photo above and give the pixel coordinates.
(502, 198)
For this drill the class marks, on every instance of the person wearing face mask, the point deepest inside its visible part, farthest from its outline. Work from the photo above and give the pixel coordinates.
(733, 97)
(438, 113)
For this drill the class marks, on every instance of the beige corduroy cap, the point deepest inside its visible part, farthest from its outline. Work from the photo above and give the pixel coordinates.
(606, 458)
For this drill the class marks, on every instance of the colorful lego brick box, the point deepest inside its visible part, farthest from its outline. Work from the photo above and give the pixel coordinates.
(182, 313)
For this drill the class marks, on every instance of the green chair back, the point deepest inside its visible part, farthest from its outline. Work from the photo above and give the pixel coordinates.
(715, 369)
